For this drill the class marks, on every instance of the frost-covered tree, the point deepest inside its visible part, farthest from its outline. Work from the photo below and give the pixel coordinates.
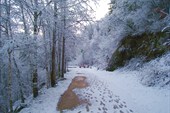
(126, 18)
(37, 39)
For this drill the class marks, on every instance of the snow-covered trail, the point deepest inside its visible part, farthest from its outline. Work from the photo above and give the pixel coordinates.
(101, 99)
(109, 92)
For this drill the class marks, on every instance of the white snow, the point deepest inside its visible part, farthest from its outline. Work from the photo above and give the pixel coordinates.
(110, 92)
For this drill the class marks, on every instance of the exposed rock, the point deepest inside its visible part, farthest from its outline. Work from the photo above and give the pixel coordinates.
(146, 46)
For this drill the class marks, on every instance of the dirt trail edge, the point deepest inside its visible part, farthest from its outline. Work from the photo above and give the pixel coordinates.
(69, 99)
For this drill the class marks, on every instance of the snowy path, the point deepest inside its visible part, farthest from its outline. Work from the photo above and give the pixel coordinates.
(101, 99)
(109, 92)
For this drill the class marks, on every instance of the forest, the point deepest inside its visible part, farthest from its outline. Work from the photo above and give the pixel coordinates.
(46, 42)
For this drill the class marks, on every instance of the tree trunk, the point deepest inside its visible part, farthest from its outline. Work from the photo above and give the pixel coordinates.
(46, 59)
(50, 49)
(63, 58)
(0, 42)
(10, 81)
(35, 74)
(59, 55)
(53, 71)
(63, 37)
(65, 68)
(23, 19)
(7, 19)
(0, 25)
(18, 75)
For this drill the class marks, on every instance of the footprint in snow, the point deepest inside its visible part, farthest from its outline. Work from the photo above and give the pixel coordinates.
(104, 101)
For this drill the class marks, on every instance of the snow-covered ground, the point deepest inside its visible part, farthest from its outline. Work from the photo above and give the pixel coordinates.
(109, 92)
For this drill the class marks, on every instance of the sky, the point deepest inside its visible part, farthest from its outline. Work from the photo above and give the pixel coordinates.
(102, 9)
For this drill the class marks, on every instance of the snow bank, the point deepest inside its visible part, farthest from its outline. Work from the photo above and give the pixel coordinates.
(47, 100)
(154, 73)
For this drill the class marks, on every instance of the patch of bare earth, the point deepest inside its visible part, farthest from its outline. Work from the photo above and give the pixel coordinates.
(69, 99)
